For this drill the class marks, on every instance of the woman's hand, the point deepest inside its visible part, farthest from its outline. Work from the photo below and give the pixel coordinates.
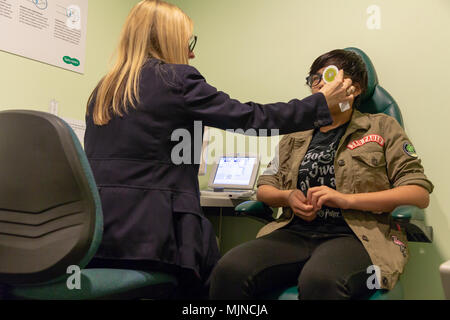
(299, 205)
(323, 195)
(339, 90)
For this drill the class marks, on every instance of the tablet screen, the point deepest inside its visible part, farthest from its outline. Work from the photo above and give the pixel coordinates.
(235, 171)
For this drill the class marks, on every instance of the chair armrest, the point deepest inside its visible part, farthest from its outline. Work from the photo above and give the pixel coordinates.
(412, 219)
(255, 209)
(407, 213)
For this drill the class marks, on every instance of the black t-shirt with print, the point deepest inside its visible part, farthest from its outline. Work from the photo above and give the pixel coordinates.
(317, 169)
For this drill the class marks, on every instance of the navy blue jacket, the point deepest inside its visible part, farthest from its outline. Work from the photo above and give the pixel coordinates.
(151, 206)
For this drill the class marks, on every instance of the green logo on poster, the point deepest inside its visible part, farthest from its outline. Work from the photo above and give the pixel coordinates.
(72, 61)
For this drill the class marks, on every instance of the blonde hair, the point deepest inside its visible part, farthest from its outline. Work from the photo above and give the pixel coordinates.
(152, 29)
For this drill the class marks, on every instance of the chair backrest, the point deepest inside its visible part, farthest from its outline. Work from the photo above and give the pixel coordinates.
(50, 209)
(376, 99)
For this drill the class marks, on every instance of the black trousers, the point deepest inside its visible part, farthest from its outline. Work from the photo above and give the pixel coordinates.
(322, 266)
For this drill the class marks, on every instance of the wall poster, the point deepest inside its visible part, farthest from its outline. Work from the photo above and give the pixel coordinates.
(50, 31)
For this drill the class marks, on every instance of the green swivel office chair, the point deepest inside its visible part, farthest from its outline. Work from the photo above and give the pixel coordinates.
(375, 100)
(51, 220)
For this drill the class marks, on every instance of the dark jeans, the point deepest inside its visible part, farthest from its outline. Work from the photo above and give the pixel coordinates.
(322, 266)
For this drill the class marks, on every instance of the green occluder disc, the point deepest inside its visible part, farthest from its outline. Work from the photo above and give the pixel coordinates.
(329, 75)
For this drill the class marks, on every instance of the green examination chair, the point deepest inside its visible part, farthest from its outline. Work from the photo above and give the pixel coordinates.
(51, 220)
(375, 100)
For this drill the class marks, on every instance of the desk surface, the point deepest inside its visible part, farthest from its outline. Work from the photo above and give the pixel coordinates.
(209, 201)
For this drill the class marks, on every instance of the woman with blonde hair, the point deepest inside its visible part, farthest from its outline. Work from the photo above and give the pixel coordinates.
(152, 214)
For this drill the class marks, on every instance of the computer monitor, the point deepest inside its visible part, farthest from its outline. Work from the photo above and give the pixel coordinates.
(235, 172)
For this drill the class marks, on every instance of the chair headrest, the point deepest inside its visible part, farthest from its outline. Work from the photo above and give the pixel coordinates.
(372, 78)
(376, 99)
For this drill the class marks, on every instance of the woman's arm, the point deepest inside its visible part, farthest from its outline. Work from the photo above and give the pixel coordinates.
(381, 201)
(217, 109)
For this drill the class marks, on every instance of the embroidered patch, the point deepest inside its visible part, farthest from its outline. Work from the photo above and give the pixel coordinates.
(409, 149)
(369, 138)
(400, 244)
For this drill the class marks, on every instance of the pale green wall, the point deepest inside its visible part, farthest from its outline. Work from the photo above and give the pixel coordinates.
(261, 50)
(27, 84)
